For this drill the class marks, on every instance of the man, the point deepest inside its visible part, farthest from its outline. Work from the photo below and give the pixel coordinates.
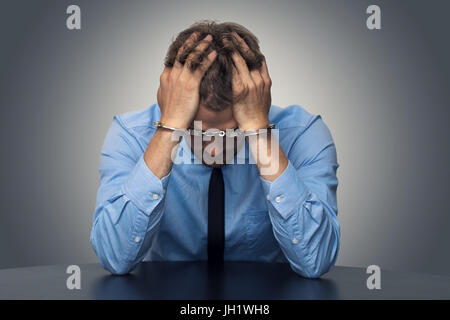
(280, 208)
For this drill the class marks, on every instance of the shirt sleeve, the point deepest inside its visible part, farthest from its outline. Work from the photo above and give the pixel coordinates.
(130, 203)
(302, 203)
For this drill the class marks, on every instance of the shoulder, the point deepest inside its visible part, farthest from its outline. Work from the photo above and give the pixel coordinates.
(302, 134)
(293, 116)
(133, 128)
(297, 120)
(138, 119)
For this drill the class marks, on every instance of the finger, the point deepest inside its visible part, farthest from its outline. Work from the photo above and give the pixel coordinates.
(241, 67)
(242, 44)
(198, 51)
(176, 63)
(205, 64)
(235, 74)
(239, 89)
(236, 79)
(159, 97)
(265, 73)
(164, 75)
(186, 45)
(257, 78)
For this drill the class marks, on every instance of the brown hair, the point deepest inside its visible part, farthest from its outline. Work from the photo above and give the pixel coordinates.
(215, 88)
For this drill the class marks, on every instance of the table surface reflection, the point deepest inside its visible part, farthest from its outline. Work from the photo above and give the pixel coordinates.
(233, 280)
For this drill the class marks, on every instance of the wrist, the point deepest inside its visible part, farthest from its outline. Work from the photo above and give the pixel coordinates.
(175, 123)
(166, 136)
(254, 125)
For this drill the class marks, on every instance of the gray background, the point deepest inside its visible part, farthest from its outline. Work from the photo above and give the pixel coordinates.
(383, 94)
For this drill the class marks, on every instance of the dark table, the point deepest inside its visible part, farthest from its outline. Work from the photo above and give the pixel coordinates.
(235, 280)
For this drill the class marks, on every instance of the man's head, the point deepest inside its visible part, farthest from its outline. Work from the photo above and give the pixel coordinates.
(216, 93)
(215, 89)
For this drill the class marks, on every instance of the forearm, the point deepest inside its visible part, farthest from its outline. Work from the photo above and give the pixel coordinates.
(158, 155)
(309, 238)
(127, 218)
(304, 222)
(268, 154)
(122, 234)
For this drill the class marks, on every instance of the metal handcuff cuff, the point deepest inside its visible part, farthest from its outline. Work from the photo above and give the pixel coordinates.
(213, 133)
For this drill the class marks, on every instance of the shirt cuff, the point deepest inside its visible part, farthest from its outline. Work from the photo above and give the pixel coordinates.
(145, 189)
(285, 193)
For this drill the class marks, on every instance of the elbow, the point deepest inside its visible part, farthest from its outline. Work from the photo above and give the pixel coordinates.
(318, 262)
(115, 265)
(315, 275)
(314, 271)
(323, 257)
(309, 273)
(117, 269)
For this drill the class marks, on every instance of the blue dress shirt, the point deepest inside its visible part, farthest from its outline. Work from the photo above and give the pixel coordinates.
(139, 217)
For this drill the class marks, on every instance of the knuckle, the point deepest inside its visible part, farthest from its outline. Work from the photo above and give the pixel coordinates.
(189, 61)
(172, 76)
(240, 89)
(190, 85)
(198, 74)
(180, 52)
(163, 77)
(187, 83)
(182, 79)
(202, 46)
(204, 65)
(236, 88)
(258, 82)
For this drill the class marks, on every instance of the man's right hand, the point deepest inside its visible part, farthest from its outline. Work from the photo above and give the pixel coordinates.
(178, 94)
(178, 98)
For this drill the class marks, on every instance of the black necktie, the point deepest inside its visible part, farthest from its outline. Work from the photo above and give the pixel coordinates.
(216, 217)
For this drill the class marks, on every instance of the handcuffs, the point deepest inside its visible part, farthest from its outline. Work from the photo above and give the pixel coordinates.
(214, 132)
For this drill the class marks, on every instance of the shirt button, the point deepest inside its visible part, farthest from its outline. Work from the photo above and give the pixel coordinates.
(137, 239)
(278, 199)
(294, 241)
(155, 196)
(268, 197)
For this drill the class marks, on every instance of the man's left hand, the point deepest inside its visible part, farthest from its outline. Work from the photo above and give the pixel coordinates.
(250, 112)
